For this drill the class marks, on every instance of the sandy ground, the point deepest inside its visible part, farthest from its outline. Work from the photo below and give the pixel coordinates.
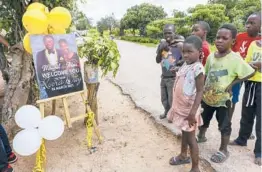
(133, 142)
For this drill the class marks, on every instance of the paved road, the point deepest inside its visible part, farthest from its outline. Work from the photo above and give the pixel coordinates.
(139, 76)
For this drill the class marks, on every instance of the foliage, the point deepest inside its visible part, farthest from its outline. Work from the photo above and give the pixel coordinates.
(214, 14)
(155, 29)
(81, 21)
(101, 52)
(178, 14)
(107, 23)
(140, 39)
(138, 16)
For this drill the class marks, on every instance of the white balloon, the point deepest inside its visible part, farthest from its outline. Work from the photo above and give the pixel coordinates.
(51, 127)
(27, 142)
(28, 117)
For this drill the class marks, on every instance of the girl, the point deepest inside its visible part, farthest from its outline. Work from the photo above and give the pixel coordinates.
(188, 91)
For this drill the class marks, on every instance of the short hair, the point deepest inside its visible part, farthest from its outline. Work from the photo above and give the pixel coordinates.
(195, 41)
(204, 25)
(170, 25)
(62, 41)
(230, 27)
(256, 14)
(48, 36)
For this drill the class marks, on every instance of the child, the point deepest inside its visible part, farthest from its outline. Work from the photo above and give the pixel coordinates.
(243, 40)
(6, 155)
(168, 54)
(201, 29)
(251, 104)
(185, 111)
(223, 69)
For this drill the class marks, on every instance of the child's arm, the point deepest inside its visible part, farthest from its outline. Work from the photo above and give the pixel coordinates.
(200, 79)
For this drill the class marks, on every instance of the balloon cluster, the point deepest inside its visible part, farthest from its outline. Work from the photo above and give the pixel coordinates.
(38, 20)
(28, 141)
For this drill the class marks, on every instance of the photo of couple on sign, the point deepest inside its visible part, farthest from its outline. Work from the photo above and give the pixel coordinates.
(57, 64)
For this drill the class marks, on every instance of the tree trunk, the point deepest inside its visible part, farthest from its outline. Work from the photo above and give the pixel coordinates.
(21, 88)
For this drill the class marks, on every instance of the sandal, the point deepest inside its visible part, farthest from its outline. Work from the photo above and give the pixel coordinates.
(235, 143)
(201, 139)
(177, 161)
(219, 157)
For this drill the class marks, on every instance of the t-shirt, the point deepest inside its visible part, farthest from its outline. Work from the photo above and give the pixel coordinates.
(242, 43)
(192, 71)
(254, 54)
(169, 60)
(220, 73)
(206, 52)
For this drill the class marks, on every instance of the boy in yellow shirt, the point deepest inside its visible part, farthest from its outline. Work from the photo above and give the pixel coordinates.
(251, 104)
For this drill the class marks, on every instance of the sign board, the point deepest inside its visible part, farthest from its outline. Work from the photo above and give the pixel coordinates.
(57, 64)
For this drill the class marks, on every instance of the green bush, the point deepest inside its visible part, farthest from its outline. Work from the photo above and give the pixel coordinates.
(140, 39)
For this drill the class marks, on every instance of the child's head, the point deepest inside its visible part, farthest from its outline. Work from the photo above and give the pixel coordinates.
(201, 29)
(225, 37)
(253, 24)
(192, 49)
(169, 32)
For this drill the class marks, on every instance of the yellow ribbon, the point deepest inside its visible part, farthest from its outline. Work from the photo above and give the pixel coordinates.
(89, 128)
(40, 158)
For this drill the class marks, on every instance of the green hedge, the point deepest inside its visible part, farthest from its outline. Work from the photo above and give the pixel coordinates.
(140, 39)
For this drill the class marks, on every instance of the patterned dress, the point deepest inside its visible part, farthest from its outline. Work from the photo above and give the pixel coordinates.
(184, 94)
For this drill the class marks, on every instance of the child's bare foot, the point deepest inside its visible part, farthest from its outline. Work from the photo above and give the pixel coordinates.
(179, 160)
(258, 161)
(194, 170)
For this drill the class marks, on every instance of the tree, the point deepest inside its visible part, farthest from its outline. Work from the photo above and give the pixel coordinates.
(21, 87)
(178, 14)
(107, 23)
(239, 16)
(229, 4)
(138, 16)
(214, 14)
(81, 21)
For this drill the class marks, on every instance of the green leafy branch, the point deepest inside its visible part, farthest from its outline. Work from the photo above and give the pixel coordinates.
(101, 52)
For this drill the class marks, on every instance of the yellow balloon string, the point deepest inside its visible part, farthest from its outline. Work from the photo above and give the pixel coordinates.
(40, 158)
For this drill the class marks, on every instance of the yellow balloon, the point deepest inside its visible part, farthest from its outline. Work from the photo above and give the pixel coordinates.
(26, 43)
(59, 18)
(39, 6)
(35, 21)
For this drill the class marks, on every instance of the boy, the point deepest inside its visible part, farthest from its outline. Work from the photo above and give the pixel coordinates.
(201, 29)
(243, 40)
(251, 104)
(168, 54)
(223, 69)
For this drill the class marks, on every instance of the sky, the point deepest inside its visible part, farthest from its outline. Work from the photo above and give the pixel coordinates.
(97, 9)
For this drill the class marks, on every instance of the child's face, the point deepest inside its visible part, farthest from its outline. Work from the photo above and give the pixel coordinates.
(253, 25)
(197, 30)
(190, 53)
(169, 34)
(224, 40)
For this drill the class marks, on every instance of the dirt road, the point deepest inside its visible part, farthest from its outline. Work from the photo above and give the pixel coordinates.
(133, 142)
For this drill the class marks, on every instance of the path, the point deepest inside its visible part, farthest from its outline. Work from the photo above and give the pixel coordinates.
(139, 76)
(133, 142)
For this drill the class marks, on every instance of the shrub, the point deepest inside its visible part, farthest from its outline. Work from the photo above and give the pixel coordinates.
(140, 39)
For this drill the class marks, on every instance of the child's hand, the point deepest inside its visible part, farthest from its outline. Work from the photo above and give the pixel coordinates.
(229, 90)
(191, 120)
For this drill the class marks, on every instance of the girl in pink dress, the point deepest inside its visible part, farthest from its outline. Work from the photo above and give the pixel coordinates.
(185, 111)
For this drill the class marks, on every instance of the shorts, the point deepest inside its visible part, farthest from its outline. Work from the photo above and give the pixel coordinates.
(222, 116)
(236, 92)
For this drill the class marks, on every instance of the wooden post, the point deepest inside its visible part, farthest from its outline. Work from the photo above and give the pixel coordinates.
(67, 114)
